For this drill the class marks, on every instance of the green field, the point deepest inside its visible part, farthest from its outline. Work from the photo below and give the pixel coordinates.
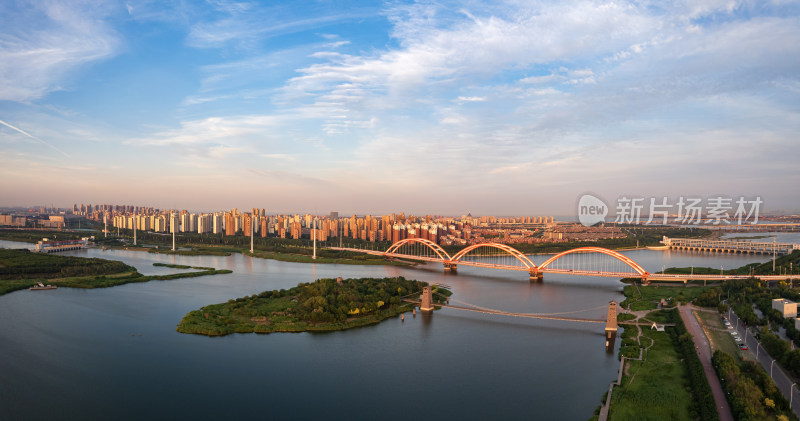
(654, 388)
(668, 383)
(646, 297)
(718, 335)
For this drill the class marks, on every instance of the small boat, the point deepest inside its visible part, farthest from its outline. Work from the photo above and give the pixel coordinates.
(40, 286)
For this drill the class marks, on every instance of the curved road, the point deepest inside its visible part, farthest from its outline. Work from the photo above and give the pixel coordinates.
(703, 349)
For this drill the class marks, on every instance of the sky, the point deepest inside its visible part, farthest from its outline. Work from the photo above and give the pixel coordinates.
(505, 108)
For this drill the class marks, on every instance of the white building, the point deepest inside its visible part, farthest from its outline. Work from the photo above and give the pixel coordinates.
(218, 221)
(204, 223)
(786, 307)
(174, 223)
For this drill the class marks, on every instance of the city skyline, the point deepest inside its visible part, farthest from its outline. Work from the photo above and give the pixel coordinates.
(433, 108)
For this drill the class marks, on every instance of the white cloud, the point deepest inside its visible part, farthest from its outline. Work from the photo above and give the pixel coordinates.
(212, 130)
(41, 44)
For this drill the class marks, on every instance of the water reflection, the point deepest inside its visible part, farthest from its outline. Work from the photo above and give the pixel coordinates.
(75, 347)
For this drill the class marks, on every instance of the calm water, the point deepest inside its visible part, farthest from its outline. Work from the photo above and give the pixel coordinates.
(114, 353)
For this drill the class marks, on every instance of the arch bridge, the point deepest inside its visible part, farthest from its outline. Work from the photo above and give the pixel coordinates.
(585, 261)
(581, 261)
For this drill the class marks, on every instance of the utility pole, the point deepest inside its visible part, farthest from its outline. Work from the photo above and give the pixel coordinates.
(774, 240)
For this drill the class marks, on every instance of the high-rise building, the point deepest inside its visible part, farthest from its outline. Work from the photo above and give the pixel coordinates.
(218, 221)
(205, 223)
(248, 224)
(230, 224)
(174, 223)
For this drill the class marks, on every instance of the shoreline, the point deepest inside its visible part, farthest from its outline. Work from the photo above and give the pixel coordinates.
(308, 307)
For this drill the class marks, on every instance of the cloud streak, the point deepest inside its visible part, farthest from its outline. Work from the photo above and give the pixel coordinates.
(23, 132)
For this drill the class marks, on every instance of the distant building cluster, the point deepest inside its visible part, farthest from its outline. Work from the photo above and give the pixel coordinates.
(392, 227)
(463, 230)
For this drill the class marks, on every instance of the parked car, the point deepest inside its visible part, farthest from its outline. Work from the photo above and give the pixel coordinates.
(743, 347)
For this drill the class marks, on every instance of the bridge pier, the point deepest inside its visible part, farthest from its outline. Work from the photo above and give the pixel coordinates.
(426, 304)
(450, 267)
(536, 276)
(611, 325)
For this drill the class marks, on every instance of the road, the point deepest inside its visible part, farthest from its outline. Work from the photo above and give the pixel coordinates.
(703, 349)
(781, 379)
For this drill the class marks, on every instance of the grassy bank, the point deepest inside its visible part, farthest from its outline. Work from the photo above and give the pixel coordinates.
(354, 259)
(323, 257)
(783, 264)
(324, 305)
(198, 251)
(647, 297)
(35, 235)
(668, 383)
(20, 269)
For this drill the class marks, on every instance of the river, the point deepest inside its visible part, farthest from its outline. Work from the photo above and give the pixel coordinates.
(114, 352)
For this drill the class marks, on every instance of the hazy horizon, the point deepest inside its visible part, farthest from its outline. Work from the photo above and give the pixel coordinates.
(445, 108)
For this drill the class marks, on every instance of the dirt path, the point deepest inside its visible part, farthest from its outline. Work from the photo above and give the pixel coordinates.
(703, 349)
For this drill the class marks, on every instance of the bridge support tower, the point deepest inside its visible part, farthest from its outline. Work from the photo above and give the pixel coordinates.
(536, 276)
(426, 304)
(450, 267)
(611, 324)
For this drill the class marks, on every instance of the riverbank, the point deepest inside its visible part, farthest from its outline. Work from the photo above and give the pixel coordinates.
(656, 368)
(658, 363)
(347, 258)
(22, 269)
(323, 305)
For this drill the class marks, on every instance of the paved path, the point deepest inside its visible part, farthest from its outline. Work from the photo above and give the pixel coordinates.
(703, 349)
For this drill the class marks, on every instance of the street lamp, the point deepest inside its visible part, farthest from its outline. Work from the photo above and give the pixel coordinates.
(770, 368)
(791, 395)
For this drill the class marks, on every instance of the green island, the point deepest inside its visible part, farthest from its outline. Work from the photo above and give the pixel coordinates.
(323, 305)
(21, 269)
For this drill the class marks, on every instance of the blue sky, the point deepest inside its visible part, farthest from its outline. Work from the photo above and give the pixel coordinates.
(427, 107)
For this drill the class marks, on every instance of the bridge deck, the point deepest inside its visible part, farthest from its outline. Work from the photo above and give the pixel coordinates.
(508, 313)
(650, 277)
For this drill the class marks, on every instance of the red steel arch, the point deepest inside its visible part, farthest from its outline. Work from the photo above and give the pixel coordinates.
(510, 250)
(435, 247)
(635, 266)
